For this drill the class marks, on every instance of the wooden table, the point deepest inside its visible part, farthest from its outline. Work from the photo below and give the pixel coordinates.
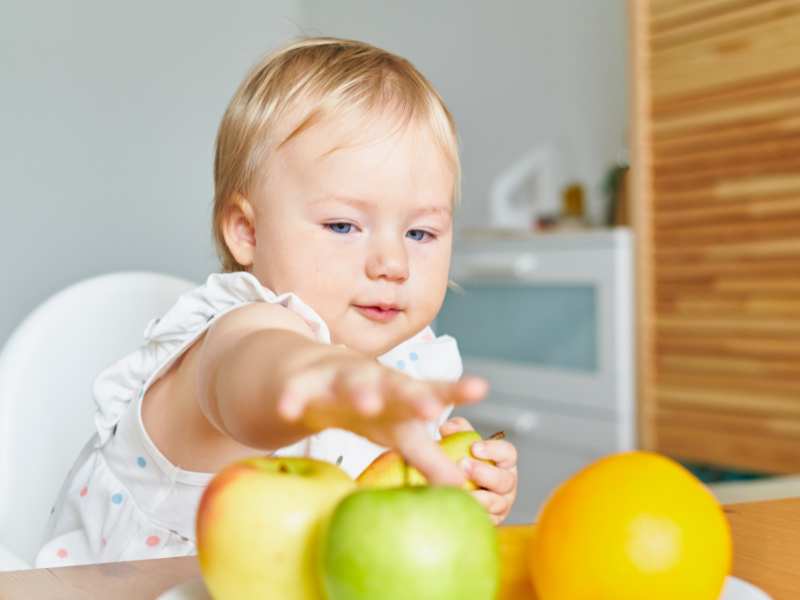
(766, 541)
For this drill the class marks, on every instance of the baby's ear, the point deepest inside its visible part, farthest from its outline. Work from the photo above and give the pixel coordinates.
(239, 229)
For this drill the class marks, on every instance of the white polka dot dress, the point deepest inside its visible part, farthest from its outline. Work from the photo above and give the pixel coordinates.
(123, 500)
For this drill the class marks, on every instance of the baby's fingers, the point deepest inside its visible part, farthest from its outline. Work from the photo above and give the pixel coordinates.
(361, 388)
(414, 398)
(297, 394)
(494, 504)
(467, 390)
(490, 477)
(501, 452)
(420, 451)
(455, 425)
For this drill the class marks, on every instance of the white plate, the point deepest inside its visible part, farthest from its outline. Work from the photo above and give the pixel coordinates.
(735, 589)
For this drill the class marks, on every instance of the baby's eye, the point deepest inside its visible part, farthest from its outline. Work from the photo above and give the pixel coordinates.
(420, 235)
(340, 227)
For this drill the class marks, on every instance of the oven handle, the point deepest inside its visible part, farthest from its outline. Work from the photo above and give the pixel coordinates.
(498, 417)
(519, 265)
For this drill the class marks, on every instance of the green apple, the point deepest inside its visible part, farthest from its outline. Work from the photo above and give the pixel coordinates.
(390, 470)
(410, 543)
(258, 527)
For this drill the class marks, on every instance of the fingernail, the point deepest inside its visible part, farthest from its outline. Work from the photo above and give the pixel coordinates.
(479, 450)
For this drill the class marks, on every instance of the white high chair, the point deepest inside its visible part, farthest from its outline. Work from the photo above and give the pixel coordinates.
(47, 369)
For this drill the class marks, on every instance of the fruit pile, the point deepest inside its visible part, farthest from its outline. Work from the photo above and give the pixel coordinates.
(631, 526)
(301, 529)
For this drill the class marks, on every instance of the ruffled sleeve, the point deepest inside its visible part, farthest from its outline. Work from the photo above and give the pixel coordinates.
(169, 336)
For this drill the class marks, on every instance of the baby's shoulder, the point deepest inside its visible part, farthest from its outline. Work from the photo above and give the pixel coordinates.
(256, 316)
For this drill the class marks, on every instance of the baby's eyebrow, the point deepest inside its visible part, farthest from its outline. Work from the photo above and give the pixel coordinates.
(352, 201)
(362, 204)
(436, 210)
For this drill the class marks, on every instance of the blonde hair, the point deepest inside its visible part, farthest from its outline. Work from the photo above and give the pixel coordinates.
(323, 77)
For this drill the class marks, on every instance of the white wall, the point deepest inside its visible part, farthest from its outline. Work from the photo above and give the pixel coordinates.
(515, 73)
(108, 112)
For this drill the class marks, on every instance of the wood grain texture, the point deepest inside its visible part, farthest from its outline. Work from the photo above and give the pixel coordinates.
(642, 214)
(765, 542)
(718, 122)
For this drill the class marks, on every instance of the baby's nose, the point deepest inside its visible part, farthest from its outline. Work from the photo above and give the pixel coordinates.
(388, 259)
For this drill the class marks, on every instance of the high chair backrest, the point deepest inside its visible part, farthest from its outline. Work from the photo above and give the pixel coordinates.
(47, 369)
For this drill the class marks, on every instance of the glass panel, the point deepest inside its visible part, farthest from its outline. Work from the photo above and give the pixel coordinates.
(549, 325)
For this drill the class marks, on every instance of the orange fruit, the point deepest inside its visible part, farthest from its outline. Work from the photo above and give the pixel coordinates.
(631, 526)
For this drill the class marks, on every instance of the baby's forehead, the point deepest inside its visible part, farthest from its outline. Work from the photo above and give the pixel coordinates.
(326, 132)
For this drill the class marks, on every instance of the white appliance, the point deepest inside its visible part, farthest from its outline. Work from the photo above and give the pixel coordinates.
(548, 320)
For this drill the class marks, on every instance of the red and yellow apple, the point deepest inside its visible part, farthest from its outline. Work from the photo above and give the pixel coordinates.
(390, 470)
(258, 527)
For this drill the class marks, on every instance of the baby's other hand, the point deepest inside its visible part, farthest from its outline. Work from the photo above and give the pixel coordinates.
(497, 483)
(352, 392)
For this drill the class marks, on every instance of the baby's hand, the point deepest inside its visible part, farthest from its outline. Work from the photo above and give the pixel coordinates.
(352, 392)
(497, 483)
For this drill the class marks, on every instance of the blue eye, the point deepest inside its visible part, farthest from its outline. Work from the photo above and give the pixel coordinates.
(419, 235)
(339, 227)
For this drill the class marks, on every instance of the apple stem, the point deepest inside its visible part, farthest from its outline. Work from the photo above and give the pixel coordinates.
(498, 435)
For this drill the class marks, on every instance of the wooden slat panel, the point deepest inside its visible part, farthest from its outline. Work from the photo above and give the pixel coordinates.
(669, 32)
(769, 49)
(732, 402)
(641, 214)
(728, 156)
(716, 439)
(700, 304)
(694, 9)
(760, 89)
(787, 247)
(731, 423)
(707, 272)
(743, 189)
(718, 232)
(707, 211)
(728, 327)
(764, 348)
(702, 143)
(788, 387)
(729, 365)
(739, 116)
(731, 232)
(667, 183)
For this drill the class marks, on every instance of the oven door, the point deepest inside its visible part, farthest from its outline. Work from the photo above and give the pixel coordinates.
(547, 320)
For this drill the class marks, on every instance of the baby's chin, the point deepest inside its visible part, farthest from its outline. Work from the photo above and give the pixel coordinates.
(371, 343)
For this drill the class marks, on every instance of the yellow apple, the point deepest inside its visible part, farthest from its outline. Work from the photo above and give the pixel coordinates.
(390, 470)
(258, 525)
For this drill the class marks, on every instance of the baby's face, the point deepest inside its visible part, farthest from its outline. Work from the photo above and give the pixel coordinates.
(359, 226)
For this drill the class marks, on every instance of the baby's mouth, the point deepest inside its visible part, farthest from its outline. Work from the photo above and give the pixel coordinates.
(381, 313)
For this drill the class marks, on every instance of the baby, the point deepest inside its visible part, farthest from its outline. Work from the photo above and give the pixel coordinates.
(336, 176)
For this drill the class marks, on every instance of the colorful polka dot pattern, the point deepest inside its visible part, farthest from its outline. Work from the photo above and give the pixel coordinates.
(153, 540)
(141, 462)
(116, 498)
